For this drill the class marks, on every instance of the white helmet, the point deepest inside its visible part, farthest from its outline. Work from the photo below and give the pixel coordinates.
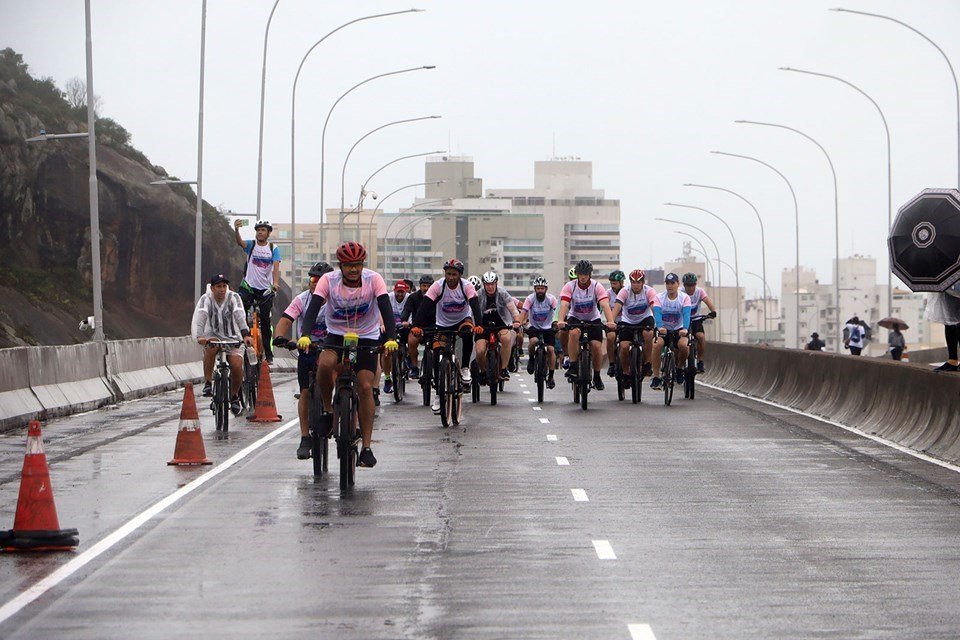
(490, 276)
(539, 281)
(263, 223)
(475, 281)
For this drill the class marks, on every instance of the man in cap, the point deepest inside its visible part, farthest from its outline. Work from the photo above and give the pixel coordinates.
(815, 344)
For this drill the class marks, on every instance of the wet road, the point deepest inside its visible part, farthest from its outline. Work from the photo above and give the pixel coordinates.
(717, 518)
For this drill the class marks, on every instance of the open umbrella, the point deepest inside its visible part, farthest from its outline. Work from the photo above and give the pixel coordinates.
(924, 242)
(891, 323)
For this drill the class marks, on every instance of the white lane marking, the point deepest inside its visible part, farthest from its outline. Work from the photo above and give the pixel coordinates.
(641, 632)
(562, 461)
(551, 437)
(869, 436)
(604, 550)
(526, 393)
(530, 399)
(537, 408)
(35, 591)
(544, 421)
(579, 495)
(523, 385)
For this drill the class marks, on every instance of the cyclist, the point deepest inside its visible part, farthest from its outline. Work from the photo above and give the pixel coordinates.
(676, 308)
(616, 286)
(398, 300)
(451, 304)
(306, 360)
(499, 313)
(637, 305)
(261, 278)
(219, 316)
(698, 295)
(584, 299)
(562, 333)
(538, 310)
(414, 300)
(356, 301)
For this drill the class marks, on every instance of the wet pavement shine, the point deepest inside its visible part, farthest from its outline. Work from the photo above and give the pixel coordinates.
(713, 518)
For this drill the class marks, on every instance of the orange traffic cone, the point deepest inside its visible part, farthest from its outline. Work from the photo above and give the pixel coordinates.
(906, 356)
(36, 526)
(266, 409)
(189, 449)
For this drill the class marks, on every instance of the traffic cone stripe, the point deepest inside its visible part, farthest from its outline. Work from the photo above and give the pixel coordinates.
(266, 409)
(189, 449)
(35, 525)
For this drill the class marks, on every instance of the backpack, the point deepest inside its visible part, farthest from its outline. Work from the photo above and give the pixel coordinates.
(250, 258)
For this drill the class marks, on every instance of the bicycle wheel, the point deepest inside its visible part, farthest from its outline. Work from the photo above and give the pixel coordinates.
(493, 373)
(636, 366)
(426, 375)
(253, 385)
(318, 435)
(397, 375)
(691, 374)
(222, 401)
(344, 412)
(668, 379)
(540, 370)
(618, 373)
(443, 391)
(456, 398)
(474, 382)
(584, 376)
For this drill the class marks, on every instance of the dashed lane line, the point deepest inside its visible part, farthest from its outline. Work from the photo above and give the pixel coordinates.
(12, 607)
(551, 437)
(604, 550)
(579, 495)
(641, 632)
(544, 421)
(562, 461)
(537, 408)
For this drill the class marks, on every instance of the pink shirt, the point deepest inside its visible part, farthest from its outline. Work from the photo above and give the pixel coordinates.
(453, 305)
(352, 309)
(637, 306)
(584, 302)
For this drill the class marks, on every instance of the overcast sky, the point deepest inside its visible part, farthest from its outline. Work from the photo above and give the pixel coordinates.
(643, 89)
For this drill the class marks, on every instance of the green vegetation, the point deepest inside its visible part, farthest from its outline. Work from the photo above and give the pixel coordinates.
(46, 287)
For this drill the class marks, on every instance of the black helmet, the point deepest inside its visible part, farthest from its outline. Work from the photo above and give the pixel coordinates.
(319, 269)
(689, 278)
(427, 279)
(409, 284)
(584, 267)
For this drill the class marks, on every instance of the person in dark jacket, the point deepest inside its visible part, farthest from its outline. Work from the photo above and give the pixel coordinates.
(896, 343)
(816, 344)
(414, 300)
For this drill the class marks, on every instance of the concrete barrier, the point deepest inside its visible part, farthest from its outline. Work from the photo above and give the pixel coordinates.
(906, 404)
(138, 367)
(69, 378)
(18, 404)
(183, 357)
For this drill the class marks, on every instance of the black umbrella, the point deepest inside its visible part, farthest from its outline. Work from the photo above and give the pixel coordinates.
(924, 242)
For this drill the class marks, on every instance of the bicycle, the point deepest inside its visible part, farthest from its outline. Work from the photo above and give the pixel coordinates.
(668, 369)
(635, 357)
(251, 370)
(441, 370)
(493, 365)
(220, 404)
(346, 408)
(516, 353)
(539, 356)
(399, 370)
(584, 378)
(691, 370)
(319, 433)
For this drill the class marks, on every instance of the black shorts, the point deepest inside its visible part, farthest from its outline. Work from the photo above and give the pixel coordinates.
(696, 326)
(366, 359)
(594, 329)
(306, 368)
(487, 331)
(673, 337)
(549, 336)
(625, 333)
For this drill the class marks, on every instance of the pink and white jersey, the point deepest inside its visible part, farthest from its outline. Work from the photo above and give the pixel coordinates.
(637, 307)
(352, 309)
(673, 310)
(453, 305)
(296, 309)
(612, 297)
(695, 299)
(584, 302)
(540, 312)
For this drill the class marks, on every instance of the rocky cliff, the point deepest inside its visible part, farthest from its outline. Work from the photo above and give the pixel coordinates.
(147, 232)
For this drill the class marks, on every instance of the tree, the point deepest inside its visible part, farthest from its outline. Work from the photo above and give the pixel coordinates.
(76, 90)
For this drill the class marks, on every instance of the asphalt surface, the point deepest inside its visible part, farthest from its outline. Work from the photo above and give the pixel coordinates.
(714, 518)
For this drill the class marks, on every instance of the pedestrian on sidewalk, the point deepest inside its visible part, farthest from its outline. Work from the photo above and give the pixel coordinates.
(896, 343)
(854, 335)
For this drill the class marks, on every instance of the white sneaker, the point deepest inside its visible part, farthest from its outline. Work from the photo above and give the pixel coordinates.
(435, 405)
(465, 374)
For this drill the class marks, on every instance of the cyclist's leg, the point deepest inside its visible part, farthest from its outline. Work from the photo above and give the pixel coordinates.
(573, 346)
(506, 346)
(466, 345)
(209, 359)
(480, 348)
(266, 332)
(306, 368)
(625, 356)
(413, 344)
(246, 297)
(701, 345)
(682, 350)
(596, 346)
(656, 344)
(326, 372)
(532, 342)
(611, 344)
(236, 371)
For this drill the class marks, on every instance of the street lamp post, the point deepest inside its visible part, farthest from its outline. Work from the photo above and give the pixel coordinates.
(323, 139)
(956, 86)
(763, 241)
(386, 235)
(716, 252)
(263, 88)
(702, 251)
(736, 258)
(198, 232)
(796, 215)
(293, 127)
(94, 188)
(836, 215)
(384, 198)
(889, 168)
(343, 172)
